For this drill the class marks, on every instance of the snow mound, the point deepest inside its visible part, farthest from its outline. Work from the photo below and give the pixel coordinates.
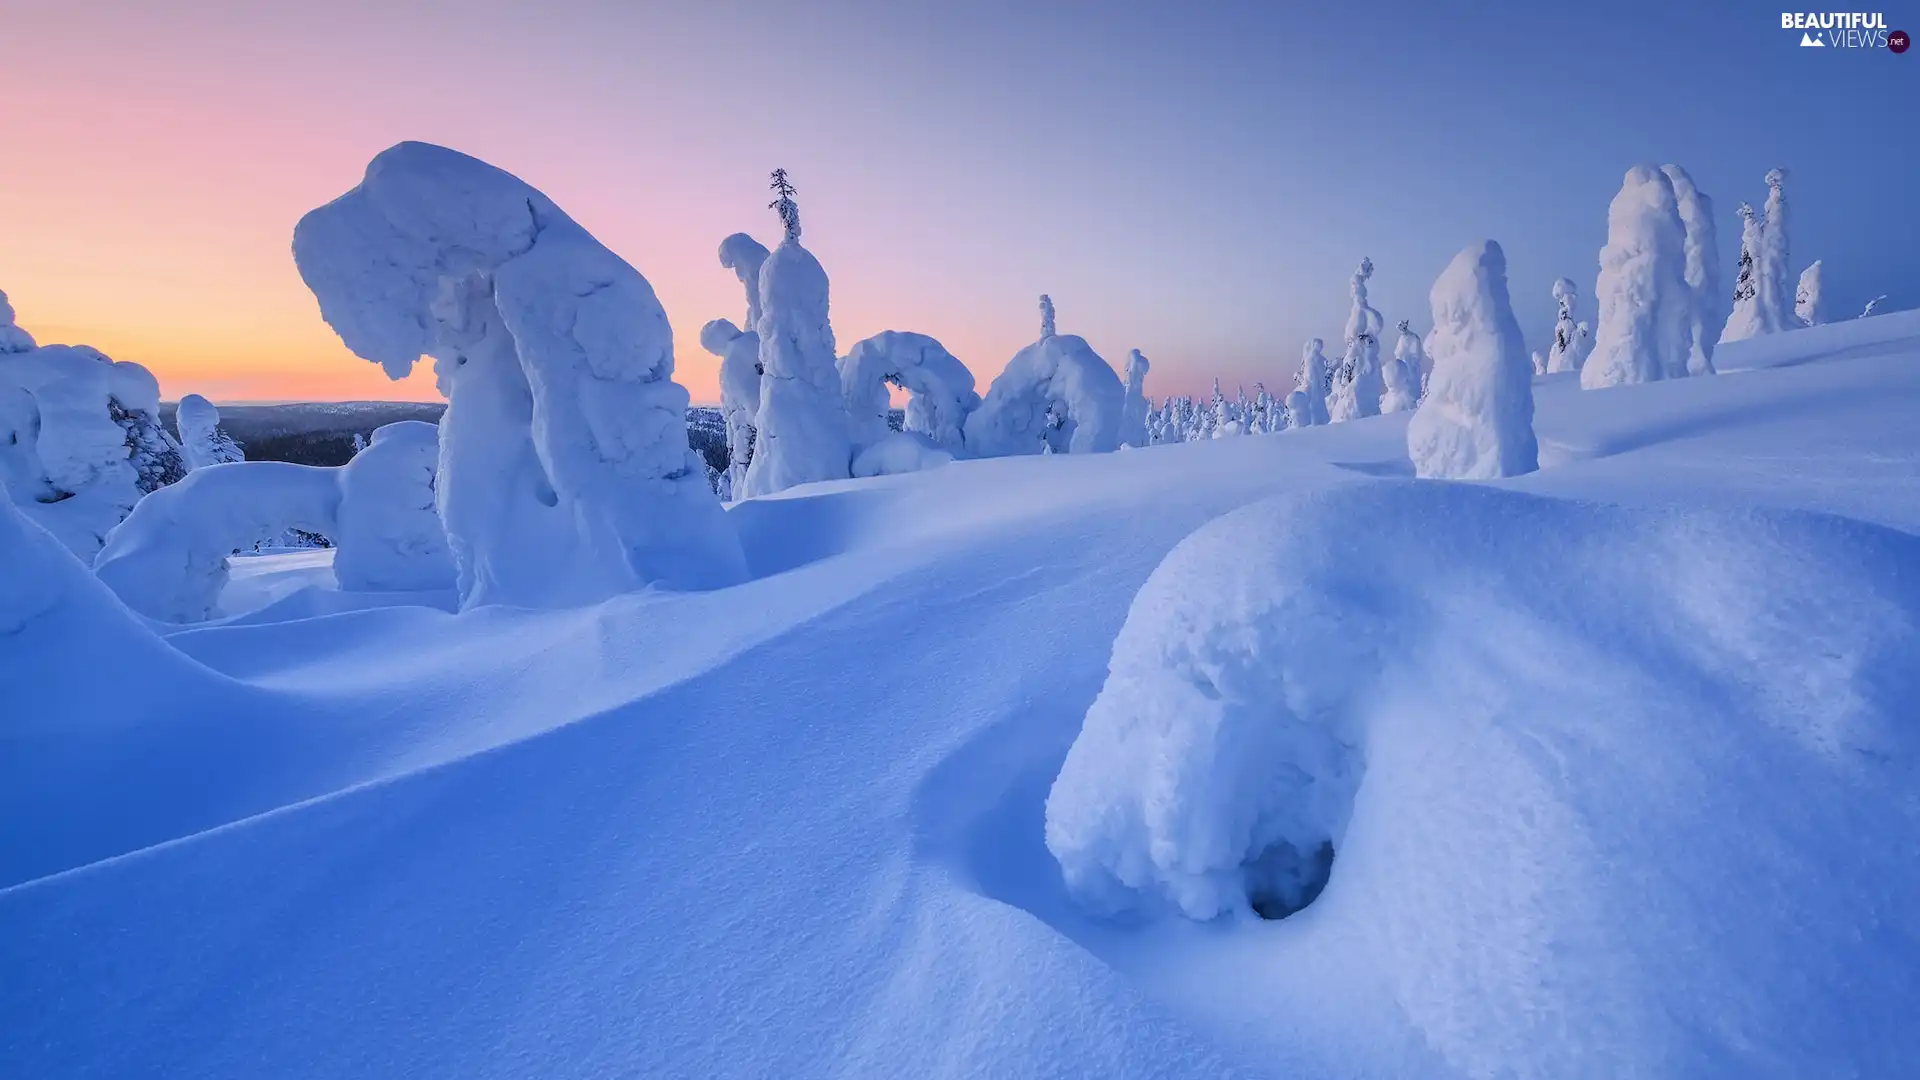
(941, 386)
(1541, 738)
(565, 474)
(388, 536)
(900, 452)
(1057, 393)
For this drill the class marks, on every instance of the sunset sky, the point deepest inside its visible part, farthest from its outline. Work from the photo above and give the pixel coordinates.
(1193, 180)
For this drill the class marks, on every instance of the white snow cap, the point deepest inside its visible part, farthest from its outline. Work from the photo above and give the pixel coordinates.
(1703, 268)
(13, 339)
(1476, 422)
(565, 473)
(803, 432)
(1646, 306)
(1807, 305)
(1056, 395)
(942, 389)
(743, 255)
(1133, 409)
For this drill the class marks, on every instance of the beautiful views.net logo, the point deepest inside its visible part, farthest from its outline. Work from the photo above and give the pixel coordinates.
(1844, 30)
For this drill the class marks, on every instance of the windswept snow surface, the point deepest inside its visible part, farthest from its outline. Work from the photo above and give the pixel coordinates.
(1631, 790)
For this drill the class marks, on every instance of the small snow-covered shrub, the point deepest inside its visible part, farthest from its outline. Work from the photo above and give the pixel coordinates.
(202, 440)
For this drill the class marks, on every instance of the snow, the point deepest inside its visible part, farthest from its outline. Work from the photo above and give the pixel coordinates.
(802, 427)
(1633, 792)
(69, 418)
(940, 385)
(202, 442)
(1703, 268)
(1359, 387)
(1307, 403)
(900, 452)
(1476, 420)
(1807, 304)
(739, 354)
(565, 474)
(1567, 353)
(387, 534)
(1056, 394)
(1134, 407)
(744, 255)
(1646, 307)
(13, 337)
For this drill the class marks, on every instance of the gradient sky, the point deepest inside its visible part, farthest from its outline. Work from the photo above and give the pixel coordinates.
(1194, 180)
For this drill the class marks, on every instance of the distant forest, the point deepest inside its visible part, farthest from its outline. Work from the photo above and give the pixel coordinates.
(322, 432)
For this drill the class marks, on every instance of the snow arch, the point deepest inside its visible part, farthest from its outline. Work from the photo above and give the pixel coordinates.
(565, 474)
(942, 389)
(1056, 394)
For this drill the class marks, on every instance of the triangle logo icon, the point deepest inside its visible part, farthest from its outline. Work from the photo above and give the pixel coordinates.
(1808, 41)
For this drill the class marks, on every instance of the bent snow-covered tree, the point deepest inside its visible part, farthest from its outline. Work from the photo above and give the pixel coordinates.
(1357, 392)
(744, 255)
(1703, 269)
(739, 354)
(1055, 396)
(1646, 306)
(202, 440)
(565, 475)
(1133, 409)
(1476, 422)
(940, 385)
(168, 559)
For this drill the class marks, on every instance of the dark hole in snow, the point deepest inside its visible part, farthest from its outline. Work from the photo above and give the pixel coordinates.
(1282, 881)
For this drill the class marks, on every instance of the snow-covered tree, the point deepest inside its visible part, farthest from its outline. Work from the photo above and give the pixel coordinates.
(1409, 350)
(744, 255)
(565, 475)
(1057, 392)
(1776, 275)
(1867, 312)
(1703, 269)
(359, 442)
(1133, 408)
(1564, 355)
(802, 424)
(1307, 404)
(203, 441)
(739, 353)
(1807, 305)
(1476, 422)
(1046, 316)
(387, 534)
(1745, 321)
(1401, 383)
(1646, 306)
(784, 207)
(1357, 392)
(941, 386)
(1539, 362)
(13, 339)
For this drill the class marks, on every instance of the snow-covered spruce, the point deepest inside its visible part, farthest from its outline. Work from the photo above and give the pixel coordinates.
(387, 535)
(802, 427)
(739, 355)
(1055, 396)
(1357, 392)
(1807, 304)
(1646, 306)
(565, 474)
(1775, 273)
(1703, 269)
(1401, 382)
(1476, 421)
(940, 385)
(1564, 355)
(80, 440)
(1307, 404)
(1133, 409)
(744, 255)
(202, 440)
(13, 339)
(1539, 361)
(1411, 351)
(1745, 319)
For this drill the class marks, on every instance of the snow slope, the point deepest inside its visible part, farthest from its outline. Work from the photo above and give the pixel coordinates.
(796, 827)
